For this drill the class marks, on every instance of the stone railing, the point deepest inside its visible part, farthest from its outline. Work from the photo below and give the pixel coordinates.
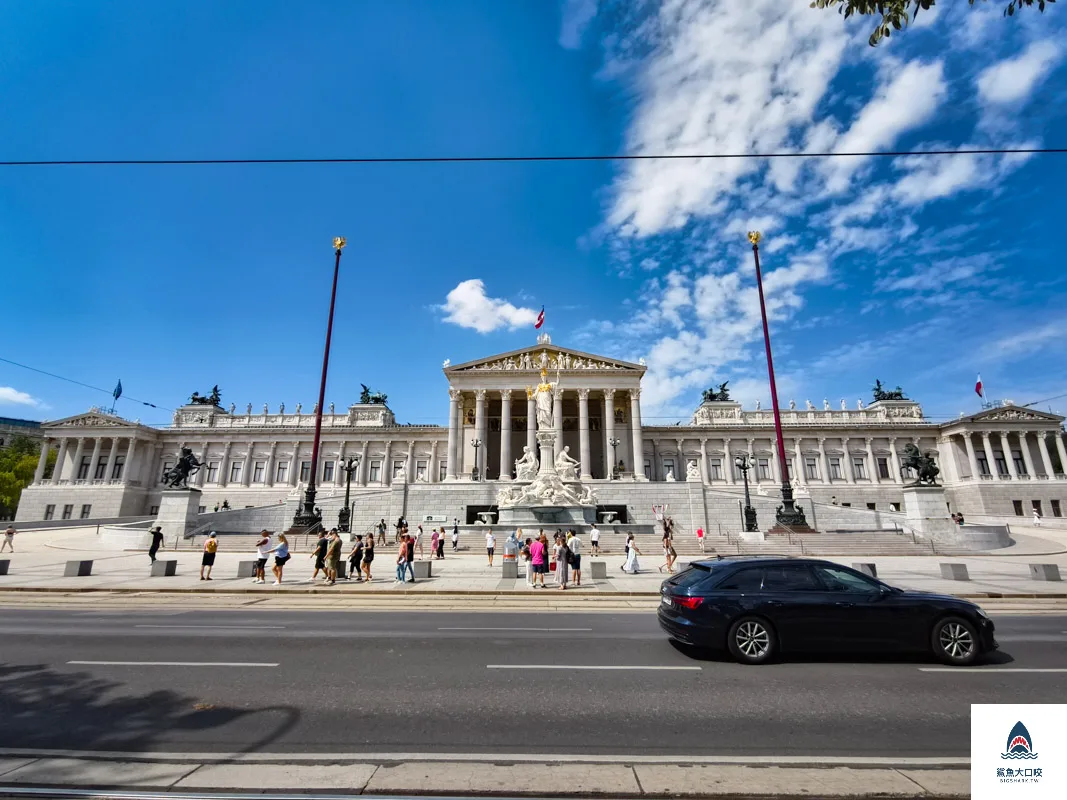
(903, 412)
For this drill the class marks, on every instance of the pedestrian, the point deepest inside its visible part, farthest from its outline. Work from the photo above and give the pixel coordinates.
(216, 508)
(207, 561)
(528, 563)
(409, 552)
(418, 541)
(561, 555)
(157, 540)
(700, 539)
(368, 557)
(401, 562)
(594, 540)
(333, 557)
(1037, 518)
(632, 565)
(319, 554)
(455, 537)
(490, 545)
(281, 555)
(435, 538)
(538, 556)
(225, 505)
(574, 544)
(9, 539)
(355, 560)
(833, 499)
(441, 543)
(669, 554)
(262, 553)
(959, 518)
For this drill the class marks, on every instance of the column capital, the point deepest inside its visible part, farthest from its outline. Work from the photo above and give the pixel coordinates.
(679, 442)
(869, 440)
(557, 394)
(479, 395)
(609, 394)
(822, 442)
(454, 394)
(635, 394)
(583, 394)
(986, 435)
(505, 394)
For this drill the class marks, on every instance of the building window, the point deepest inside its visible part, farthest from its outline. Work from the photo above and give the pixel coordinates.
(872, 506)
(894, 506)
(101, 468)
(68, 511)
(859, 467)
(375, 471)
(764, 469)
(83, 468)
(420, 471)
(1036, 505)
(442, 471)
(716, 469)
(1018, 506)
(398, 465)
(983, 464)
(153, 510)
(835, 469)
(1020, 465)
(213, 472)
(87, 509)
(327, 471)
(883, 468)
(116, 471)
(283, 472)
(235, 471)
(50, 511)
(1002, 465)
(648, 469)
(811, 469)
(1055, 508)
(305, 471)
(257, 471)
(166, 468)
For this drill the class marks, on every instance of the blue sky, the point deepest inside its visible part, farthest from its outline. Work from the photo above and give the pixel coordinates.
(922, 272)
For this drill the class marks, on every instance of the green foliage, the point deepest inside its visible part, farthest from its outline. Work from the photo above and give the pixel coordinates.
(896, 14)
(18, 463)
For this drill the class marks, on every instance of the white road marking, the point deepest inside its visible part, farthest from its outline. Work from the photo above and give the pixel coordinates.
(543, 630)
(985, 670)
(218, 627)
(171, 664)
(588, 666)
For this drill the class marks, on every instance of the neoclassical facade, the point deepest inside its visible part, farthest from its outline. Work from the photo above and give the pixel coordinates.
(1003, 461)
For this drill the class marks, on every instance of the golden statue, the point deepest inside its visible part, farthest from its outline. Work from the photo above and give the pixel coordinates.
(754, 237)
(339, 242)
(543, 398)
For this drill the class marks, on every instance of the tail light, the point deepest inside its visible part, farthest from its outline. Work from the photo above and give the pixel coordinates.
(690, 603)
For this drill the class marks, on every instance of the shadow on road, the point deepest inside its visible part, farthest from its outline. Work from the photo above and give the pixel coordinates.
(996, 658)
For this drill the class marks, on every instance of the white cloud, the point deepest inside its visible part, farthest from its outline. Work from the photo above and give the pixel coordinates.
(12, 396)
(1013, 79)
(1029, 341)
(468, 306)
(577, 14)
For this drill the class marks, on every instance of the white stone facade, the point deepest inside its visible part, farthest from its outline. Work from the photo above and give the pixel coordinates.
(998, 462)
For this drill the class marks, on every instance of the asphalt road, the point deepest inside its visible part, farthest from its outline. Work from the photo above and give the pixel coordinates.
(437, 682)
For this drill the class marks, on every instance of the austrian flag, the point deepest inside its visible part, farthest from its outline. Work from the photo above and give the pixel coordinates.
(540, 318)
(978, 388)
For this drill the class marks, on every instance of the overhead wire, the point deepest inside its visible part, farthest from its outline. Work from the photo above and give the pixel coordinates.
(86, 385)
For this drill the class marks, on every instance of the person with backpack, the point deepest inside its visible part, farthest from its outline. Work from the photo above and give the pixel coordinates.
(561, 554)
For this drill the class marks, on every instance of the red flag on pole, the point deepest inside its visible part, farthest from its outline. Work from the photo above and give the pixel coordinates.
(978, 388)
(540, 318)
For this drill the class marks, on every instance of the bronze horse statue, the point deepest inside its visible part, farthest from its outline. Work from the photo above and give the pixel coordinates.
(177, 477)
(926, 470)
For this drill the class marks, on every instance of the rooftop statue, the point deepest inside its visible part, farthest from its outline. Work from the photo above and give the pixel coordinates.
(212, 399)
(366, 397)
(881, 393)
(713, 396)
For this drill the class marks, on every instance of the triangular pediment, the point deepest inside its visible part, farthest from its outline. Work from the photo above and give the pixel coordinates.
(549, 356)
(1008, 413)
(91, 419)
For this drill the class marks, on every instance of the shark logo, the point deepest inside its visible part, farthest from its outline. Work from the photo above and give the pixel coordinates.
(1020, 745)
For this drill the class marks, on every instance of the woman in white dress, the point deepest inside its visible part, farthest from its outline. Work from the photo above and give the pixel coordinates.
(632, 565)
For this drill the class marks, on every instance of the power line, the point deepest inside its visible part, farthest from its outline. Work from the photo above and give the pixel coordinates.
(86, 385)
(173, 162)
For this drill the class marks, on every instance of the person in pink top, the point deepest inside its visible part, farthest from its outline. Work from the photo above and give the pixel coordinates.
(538, 560)
(700, 539)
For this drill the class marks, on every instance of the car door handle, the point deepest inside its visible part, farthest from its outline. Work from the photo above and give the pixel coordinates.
(844, 604)
(774, 602)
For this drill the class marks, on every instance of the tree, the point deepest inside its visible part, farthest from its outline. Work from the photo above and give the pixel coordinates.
(18, 463)
(896, 14)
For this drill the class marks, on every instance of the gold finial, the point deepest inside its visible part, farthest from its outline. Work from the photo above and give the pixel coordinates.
(529, 392)
(754, 237)
(339, 242)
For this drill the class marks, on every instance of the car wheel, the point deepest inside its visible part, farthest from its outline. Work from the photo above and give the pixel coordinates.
(955, 641)
(751, 640)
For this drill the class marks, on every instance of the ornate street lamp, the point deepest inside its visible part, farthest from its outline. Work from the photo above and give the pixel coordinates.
(349, 466)
(749, 515)
(789, 516)
(309, 515)
(475, 474)
(614, 458)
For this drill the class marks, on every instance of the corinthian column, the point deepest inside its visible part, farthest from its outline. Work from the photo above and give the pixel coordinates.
(557, 418)
(583, 434)
(609, 431)
(505, 435)
(531, 422)
(479, 432)
(454, 396)
(638, 438)
(42, 462)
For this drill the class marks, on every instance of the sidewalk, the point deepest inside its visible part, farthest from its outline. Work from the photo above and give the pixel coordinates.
(38, 566)
(537, 775)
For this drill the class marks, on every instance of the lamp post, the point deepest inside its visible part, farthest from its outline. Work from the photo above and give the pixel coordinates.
(344, 518)
(789, 516)
(475, 474)
(308, 515)
(614, 457)
(749, 515)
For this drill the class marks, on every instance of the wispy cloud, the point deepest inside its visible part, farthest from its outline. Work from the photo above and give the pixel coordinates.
(1012, 80)
(12, 396)
(1035, 339)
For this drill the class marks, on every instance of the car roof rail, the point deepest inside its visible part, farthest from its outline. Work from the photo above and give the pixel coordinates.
(743, 556)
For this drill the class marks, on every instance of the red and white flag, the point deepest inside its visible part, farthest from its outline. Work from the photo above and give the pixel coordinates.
(978, 388)
(540, 318)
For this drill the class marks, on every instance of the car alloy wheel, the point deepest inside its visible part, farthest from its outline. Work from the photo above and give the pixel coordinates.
(751, 640)
(955, 641)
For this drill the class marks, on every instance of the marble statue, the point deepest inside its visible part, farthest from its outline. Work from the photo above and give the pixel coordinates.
(447, 363)
(825, 404)
(249, 410)
(811, 405)
(401, 474)
(761, 489)
(566, 467)
(233, 407)
(587, 497)
(792, 405)
(692, 471)
(844, 405)
(526, 467)
(543, 400)
(859, 405)
(566, 361)
(298, 407)
(543, 363)
(578, 362)
(281, 408)
(757, 405)
(265, 411)
(508, 496)
(669, 475)
(332, 408)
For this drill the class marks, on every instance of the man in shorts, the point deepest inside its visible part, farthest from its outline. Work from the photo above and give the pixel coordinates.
(211, 546)
(319, 554)
(9, 539)
(333, 557)
(262, 554)
(490, 545)
(594, 540)
(574, 544)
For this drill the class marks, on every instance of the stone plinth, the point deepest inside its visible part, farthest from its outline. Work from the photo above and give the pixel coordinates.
(926, 512)
(178, 512)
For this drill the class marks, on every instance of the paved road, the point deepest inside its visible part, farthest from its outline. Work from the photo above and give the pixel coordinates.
(418, 683)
